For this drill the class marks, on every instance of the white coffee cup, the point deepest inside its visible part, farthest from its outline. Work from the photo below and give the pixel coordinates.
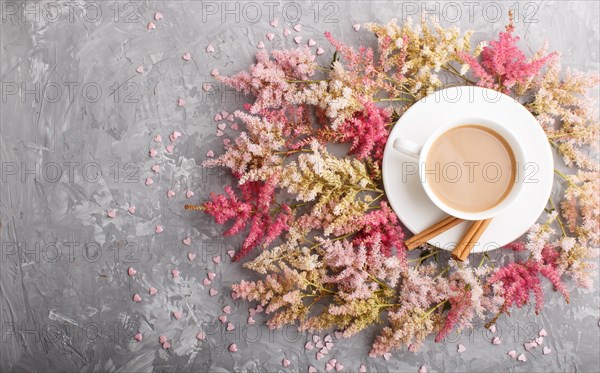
(420, 153)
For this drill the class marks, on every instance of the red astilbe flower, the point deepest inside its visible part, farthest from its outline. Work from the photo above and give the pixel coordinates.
(460, 309)
(503, 64)
(519, 280)
(366, 131)
(380, 226)
(254, 209)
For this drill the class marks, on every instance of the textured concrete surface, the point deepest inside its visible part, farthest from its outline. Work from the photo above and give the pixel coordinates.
(76, 125)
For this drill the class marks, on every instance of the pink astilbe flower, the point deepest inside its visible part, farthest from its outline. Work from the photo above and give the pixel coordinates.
(503, 64)
(460, 309)
(380, 226)
(268, 79)
(366, 130)
(520, 280)
(255, 209)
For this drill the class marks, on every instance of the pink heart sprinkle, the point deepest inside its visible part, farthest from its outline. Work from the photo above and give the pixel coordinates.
(221, 126)
(320, 51)
(158, 138)
(328, 367)
(298, 27)
(212, 292)
(539, 340)
(210, 48)
(231, 253)
(216, 259)
(155, 168)
(169, 149)
(140, 69)
(131, 210)
(180, 102)
(191, 256)
(224, 113)
(260, 45)
(251, 320)
(158, 16)
(151, 26)
(218, 117)
(312, 42)
(233, 348)
(235, 127)
(387, 356)
(162, 339)
(149, 181)
(332, 361)
(356, 26)
(312, 369)
(177, 314)
(187, 56)
(166, 346)
(170, 193)
(460, 349)
(316, 338)
(338, 335)
(175, 135)
(214, 72)
(158, 229)
(546, 350)
(207, 87)
(324, 350)
(270, 36)
(362, 368)
(512, 354)
(522, 357)
(227, 310)
(319, 344)
(210, 154)
(286, 363)
(319, 356)
(226, 142)
(137, 298)
(329, 345)
(309, 345)
(286, 32)
(153, 153)
(206, 282)
(338, 367)
(211, 275)
(530, 345)
(131, 271)
(201, 336)
(219, 133)
(189, 194)
(298, 39)
(187, 241)
(138, 337)
(328, 338)
(231, 117)
(230, 327)
(234, 295)
(275, 22)
(152, 291)
(496, 340)
(492, 328)
(111, 213)
(543, 333)
(422, 369)
(259, 308)
(175, 273)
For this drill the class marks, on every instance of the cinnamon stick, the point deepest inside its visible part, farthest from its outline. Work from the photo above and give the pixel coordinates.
(470, 239)
(434, 230)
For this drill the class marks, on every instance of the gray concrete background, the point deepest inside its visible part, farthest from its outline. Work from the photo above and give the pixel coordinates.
(65, 293)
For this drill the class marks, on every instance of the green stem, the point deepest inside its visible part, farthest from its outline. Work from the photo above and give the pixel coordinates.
(392, 99)
(430, 311)
(449, 68)
(565, 177)
(307, 81)
(560, 223)
(442, 273)
(422, 258)
(286, 152)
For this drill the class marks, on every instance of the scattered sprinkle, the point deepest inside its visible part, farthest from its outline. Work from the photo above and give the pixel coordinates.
(174, 136)
(191, 256)
(189, 194)
(460, 348)
(140, 69)
(275, 22)
(152, 290)
(233, 348)
(298, 39)
(177, 314)
(131, 271)
(210, 154)
(151, 26)
(138, 337)
(270, 36)
(158, 229)
(212, 292)
(543, 333)
(320, 51)
(201, 336)
(149, 181)
(131, 210)
(546, 350)
(180, 102)
(260, 45)
(155, 168)
(496, 340)
(170, 193)
(137, 298)
(169, 148)
(356, 26)
(286, 32)
(298, 28)
(158, 16)
(211, 275)
(111, 213)
(214, 72)
(512, 354)
(522, 357)
(216, 259)
(210, 48)
(153, 153)
(175, 273)
(186, 56)
(187, 241)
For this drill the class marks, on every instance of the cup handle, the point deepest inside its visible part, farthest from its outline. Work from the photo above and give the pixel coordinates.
(407, 147)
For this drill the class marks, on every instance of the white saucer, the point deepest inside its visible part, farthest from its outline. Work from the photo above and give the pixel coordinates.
(407, 197)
